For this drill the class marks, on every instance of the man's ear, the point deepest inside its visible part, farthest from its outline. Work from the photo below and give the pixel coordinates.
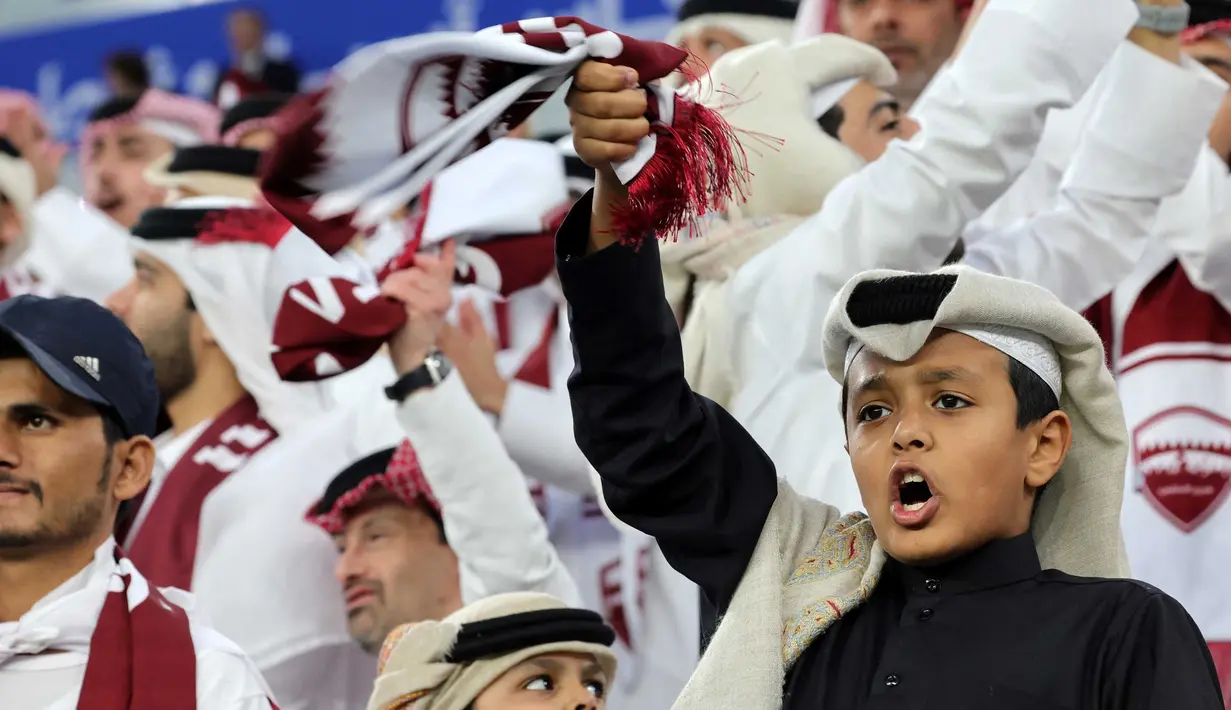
(1051, 438)
(134, 460)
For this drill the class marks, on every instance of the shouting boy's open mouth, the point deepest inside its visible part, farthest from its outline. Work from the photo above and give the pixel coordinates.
(914, 502)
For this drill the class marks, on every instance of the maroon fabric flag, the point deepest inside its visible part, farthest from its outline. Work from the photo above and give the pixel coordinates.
(329, 324)
(396, 113)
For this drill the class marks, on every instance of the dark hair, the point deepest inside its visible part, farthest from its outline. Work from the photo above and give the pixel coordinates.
(113, 431)
(130, 64)
(113, 107)
(1035, 399)
(831, 121)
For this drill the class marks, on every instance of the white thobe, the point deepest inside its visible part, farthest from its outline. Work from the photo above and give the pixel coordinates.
(502, 543)
(618, 571)
(64, 621)
(905, 210)
(489, 518)
(252, 528)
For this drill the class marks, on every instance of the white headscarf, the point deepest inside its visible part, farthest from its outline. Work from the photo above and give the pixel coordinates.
(227, 285)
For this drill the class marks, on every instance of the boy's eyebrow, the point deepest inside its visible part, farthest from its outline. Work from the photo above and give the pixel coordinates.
(932, 377)
(877, 382)
(880, 381)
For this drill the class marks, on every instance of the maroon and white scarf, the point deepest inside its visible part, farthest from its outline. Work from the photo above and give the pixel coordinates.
(141, 653)
(326, 324)
(165, 545)
(337, 166)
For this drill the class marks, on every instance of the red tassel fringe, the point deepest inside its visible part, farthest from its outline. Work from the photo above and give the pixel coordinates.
(698, 167)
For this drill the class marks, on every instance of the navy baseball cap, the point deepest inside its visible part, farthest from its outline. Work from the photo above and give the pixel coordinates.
(89, 352)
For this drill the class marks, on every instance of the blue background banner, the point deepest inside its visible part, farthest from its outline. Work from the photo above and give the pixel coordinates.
(186, 49)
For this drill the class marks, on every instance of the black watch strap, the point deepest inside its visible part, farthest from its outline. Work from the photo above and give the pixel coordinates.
(431, 373)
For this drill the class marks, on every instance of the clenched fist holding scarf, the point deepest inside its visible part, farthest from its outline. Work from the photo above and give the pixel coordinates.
(607, 112)
(612, 118)
(424, 290)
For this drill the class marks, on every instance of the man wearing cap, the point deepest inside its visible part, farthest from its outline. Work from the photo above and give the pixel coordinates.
(79, 624)
(987, 443)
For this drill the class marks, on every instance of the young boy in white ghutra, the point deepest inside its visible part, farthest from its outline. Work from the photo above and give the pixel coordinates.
(988, 443)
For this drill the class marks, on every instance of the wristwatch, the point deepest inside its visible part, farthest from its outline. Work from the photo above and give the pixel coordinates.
(432, 372)
(1163, 20)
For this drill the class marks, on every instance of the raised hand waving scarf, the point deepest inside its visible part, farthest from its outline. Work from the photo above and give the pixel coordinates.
(503, 205)
(337, 166)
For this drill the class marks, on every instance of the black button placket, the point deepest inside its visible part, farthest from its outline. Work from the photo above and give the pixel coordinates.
(903, 670)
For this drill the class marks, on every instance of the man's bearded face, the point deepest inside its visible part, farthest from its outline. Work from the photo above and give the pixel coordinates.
(394, 569)
(155, 307)
(56, 468)
(918, 36)
(115, 172)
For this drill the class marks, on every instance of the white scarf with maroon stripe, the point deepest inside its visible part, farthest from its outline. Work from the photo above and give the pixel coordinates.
(142, 652)
(336, 163)
(224, 269)
(502, 205)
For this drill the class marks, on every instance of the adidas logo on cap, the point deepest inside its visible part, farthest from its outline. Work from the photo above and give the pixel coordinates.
(89, 364)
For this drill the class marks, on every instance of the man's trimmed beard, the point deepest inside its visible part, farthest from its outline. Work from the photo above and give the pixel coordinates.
(170, 350)
(72, 525)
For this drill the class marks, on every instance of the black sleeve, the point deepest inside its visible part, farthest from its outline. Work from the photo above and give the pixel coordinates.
(674, 464)
(1162, 662)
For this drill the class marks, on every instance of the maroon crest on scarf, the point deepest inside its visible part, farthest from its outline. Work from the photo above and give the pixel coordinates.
(165, 545)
